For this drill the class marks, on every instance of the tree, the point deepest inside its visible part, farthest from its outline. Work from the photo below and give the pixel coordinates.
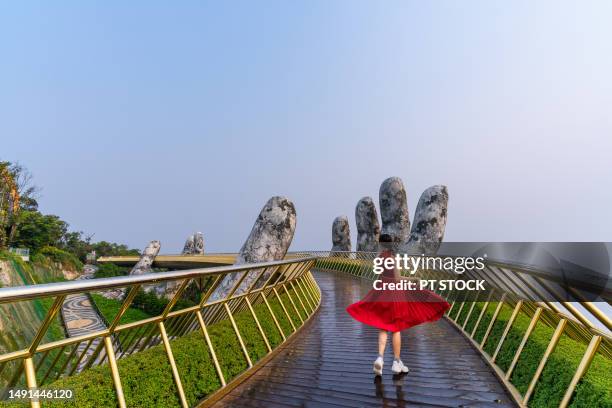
(9, 201)
(17, 193)
(75, 243)
(21, 224)
(104, 248)
(37, 231)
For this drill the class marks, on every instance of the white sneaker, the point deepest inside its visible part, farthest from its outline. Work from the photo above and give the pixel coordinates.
(399, 367)
(378, 366)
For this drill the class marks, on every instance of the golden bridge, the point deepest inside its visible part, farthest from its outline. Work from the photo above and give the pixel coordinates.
(285, 340)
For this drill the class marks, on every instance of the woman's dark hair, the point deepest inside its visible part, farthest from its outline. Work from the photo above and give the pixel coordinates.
(385, 238)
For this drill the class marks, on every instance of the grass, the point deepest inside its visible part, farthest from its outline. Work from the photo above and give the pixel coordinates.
(110, 307)
(55, 330)
(147, 378)
(593, 391)
(109, 270)
(20, 321)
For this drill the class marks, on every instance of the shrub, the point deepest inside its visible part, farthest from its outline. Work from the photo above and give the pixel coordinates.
(67, 259)
(110, 307)
(153, 305)
(110, 270)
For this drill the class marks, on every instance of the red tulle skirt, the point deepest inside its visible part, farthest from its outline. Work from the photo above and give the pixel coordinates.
(395, 310)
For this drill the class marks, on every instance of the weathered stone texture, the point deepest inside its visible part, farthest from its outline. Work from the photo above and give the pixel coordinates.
(269, 240)
(142, 266)
(198, 240)
(146, 259)
(341, 234)
(194, 245)
(394, 210)
(189, 246)
(368, 228)
(429, 221)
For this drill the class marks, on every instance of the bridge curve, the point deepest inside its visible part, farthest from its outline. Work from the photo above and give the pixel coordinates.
(330, 364)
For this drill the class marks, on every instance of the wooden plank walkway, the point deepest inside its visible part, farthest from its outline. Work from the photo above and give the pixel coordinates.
(330, 364)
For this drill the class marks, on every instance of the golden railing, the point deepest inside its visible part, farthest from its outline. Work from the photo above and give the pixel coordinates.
(44, 362)
(524, 290)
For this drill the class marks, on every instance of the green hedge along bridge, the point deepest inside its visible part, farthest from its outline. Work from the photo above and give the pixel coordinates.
(285, 340)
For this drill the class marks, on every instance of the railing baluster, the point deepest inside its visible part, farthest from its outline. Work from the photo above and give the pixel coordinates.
(263, 334)
(500, 304)
(242, 345)
(481, 315)
(515, 312)
(582, 368)
(519, 350)
(280, 301)
(276, 323)
(297, 311)
(42, 359)
(459, 311)
(142, 345)
(30, 374)
(173, 367)
(124, 307)
(298, 283)
(110, 352)
(549, 349)
(297, 295)
(42, 330)
(308, 288)
(211, 350)
(83, 353)
(133, 339)
(314, 287)
(469, 314)
(95, 355)
(53, 363)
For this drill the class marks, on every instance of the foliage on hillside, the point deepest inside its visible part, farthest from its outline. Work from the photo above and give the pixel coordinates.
(64, 258)
(110, 307)
(110, 270)
(21, 320)
(23, 225)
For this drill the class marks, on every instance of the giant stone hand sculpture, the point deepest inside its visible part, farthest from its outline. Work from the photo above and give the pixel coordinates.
(429, 221)
(368, 228)
(189, 246)
(269, 240)
(194, 245)
(198, 243)
(394, 210)
(146, 259)
(341, 234)
(142, 266)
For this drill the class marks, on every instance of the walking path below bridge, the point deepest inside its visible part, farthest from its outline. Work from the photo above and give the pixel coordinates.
(80, 317)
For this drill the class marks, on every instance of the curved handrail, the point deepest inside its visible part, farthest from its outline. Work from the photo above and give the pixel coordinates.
(523, 288)
(28, 292)
(236, 289)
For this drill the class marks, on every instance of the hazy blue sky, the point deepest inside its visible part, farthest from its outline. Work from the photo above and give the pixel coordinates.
(151, 120)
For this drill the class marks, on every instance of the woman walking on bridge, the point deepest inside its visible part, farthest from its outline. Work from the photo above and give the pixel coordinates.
(395, 310)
